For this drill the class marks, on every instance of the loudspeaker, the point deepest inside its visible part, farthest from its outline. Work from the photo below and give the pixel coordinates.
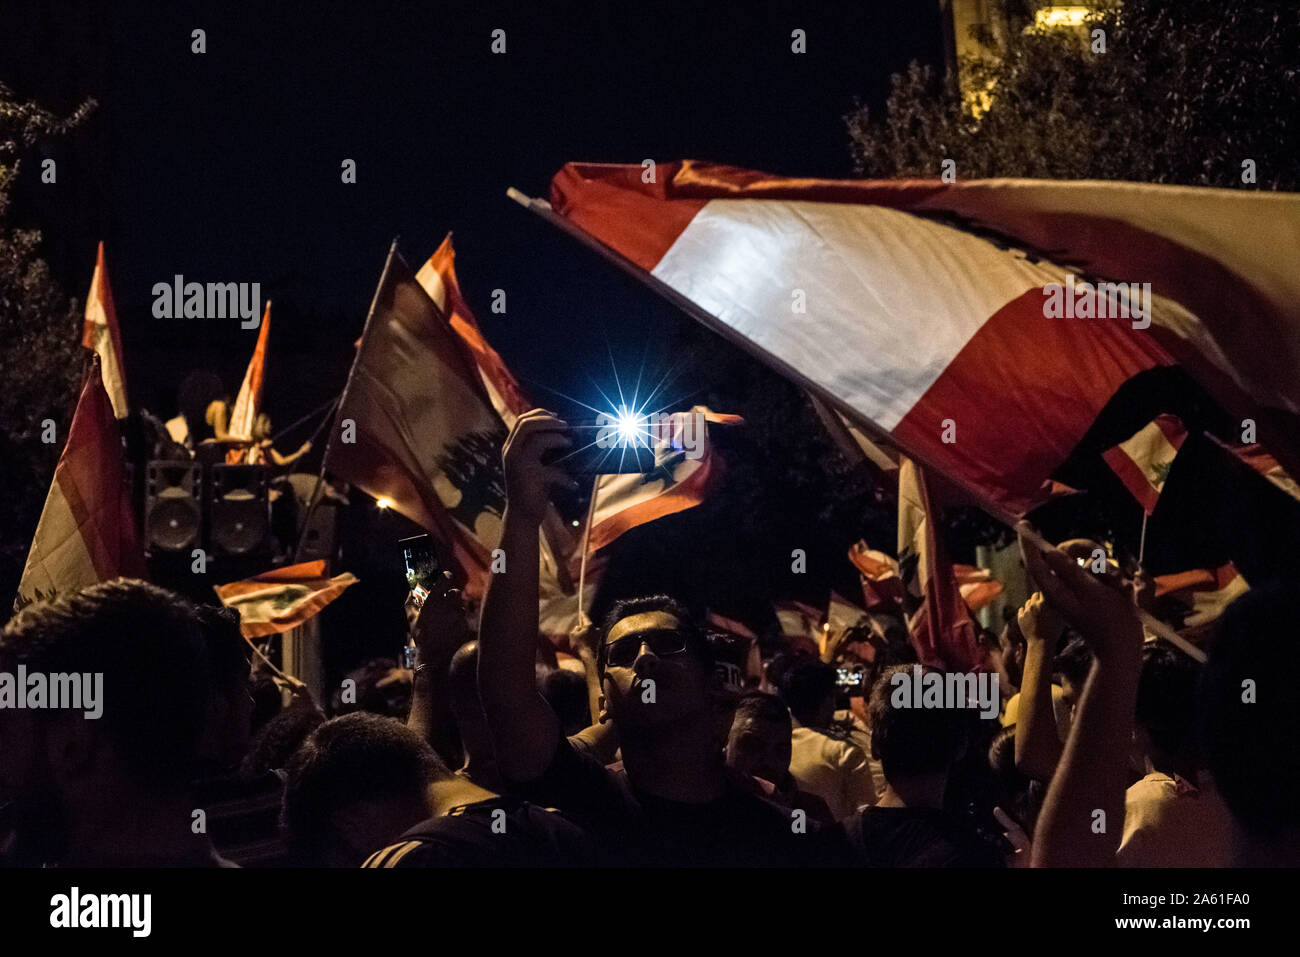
(239, 512)
(173, 515)
(317, 540)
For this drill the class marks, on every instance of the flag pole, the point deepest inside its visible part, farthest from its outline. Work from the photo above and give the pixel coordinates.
(343, 397)
(586, 539)
(542, 208)
(1150, 621)
(1142, 541)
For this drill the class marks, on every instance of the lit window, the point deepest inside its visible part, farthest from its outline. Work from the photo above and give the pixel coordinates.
(1061, 16)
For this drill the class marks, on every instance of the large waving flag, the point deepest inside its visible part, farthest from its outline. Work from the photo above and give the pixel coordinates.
(282, 598)
(919, 308)
(249, 401)
(86, 533)
(438, 278)
(414, 428)
(679, 480)
(100, 333)
(1143, 460)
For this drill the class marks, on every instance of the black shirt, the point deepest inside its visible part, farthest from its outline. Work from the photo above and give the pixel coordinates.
(915, 837)
(499, 832)
(739, 829)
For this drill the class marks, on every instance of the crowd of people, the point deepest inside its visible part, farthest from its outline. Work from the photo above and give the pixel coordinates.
(1108, 747)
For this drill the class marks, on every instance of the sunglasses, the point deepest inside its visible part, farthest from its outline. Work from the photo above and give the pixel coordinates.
(623, 652)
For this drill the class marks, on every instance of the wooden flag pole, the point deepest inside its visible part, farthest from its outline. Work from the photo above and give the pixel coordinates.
(1142, 541)
(543, 209)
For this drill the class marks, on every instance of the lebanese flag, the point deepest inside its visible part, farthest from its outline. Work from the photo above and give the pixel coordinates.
(86, 533)
(1142, 462)
(100, 333)
(938, 620)
(249, 401)
(1204, 593)
(1263, 463)
(882, 589)
(438, 278)
(978, 587)
(923, 302)
(677, 482)
(282, 598)
(800, 624)
(424, 437)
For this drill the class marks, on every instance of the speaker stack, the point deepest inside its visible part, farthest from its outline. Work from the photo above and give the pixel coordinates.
(239, 512)
(173, 507)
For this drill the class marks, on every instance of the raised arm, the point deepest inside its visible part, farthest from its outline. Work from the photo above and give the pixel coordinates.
(1083, 816)
(438, 630)
(282, 460)
(525, 731)
(1038, 746)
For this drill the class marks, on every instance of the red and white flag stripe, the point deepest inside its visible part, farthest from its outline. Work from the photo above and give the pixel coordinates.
(86, 533)
(937, 335)
(626, 501)
(1142, 461)
(282, 598)
(249, 401)
(800, 624)
(438, 278)
(100, 333)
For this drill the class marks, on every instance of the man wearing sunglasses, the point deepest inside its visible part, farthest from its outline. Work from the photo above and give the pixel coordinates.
(673, 803)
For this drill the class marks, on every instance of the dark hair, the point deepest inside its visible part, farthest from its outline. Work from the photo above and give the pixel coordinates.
(913, 741)
(1019, 795)
(353, 758)
(266, 700)
(1016, 641)
(806, 686)
(147, 644)
(1250, 745)
(228, 653)
(393, 700)
(627, 607)
(276, 741)
(1074, 661)
(199, 390)
(761, 706)
(1166, 700)
(566, 692)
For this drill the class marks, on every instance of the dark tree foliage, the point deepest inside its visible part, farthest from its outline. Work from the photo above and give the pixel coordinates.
(1185, 91)
(40, 345)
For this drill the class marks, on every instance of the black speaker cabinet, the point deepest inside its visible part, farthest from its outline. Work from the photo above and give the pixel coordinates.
(173, 505)
(239, 514)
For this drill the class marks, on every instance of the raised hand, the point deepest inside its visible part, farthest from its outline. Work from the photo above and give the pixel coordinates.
(529, 481)
(1103, 615)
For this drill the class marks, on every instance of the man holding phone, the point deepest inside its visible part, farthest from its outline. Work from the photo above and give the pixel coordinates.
(673, 803)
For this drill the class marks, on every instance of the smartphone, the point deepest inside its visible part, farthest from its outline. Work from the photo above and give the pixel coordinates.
(421, 562)
(606, 446)
(851, 682)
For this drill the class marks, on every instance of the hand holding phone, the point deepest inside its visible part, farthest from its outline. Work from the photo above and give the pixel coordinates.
(606, 446)
(1103, 615)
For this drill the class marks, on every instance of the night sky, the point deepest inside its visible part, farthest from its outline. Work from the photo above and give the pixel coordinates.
(225, 166)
